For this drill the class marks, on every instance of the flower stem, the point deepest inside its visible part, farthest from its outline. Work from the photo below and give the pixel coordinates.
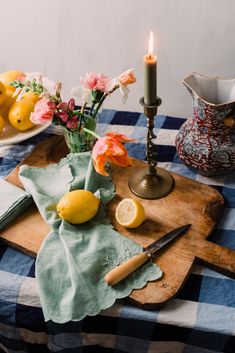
(91, 132)
(99, 104)
(102, 100)
(83, 107)
(91, 109)
(75, 112)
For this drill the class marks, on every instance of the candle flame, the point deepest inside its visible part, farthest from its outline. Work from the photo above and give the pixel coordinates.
(150, 52)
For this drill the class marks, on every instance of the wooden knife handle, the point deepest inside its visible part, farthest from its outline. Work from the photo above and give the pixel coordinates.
(122, 271)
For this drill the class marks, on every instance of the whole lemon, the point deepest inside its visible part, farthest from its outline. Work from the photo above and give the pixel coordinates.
(19, 115)
(2, 93)
(78, 206)
(1, 124)
(34, 97)
(9, 76)
(8, 101)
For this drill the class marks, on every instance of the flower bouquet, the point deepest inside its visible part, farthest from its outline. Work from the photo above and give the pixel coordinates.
(76, 122)
(79, 123)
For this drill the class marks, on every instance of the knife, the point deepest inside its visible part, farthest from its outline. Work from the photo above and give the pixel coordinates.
(126, 268)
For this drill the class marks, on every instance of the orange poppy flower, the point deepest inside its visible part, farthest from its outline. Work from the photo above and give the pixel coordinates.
(110, 148)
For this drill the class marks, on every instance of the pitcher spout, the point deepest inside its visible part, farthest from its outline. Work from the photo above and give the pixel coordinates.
(213, 91)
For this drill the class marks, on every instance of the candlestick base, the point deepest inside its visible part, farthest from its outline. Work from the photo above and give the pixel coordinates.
(151, 184)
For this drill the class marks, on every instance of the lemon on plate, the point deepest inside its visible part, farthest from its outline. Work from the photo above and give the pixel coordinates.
(130, 213)
(78, 206)
(2, 93)
(1, 123)
(8, 97)
(31, 96)
(19, 115)
(7, 103)
(8, 76)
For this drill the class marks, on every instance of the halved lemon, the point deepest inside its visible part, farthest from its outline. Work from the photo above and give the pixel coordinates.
(130, 213)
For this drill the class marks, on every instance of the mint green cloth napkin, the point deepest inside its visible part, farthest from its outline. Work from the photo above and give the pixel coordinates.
(74, 259)
(13, 201)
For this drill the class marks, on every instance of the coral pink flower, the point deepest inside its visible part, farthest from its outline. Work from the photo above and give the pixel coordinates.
(94, 82)
(43, 111)
(122, 81)
(127, 77)
(110, 148)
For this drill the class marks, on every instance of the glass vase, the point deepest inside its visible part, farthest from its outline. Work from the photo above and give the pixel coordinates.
(79, 140)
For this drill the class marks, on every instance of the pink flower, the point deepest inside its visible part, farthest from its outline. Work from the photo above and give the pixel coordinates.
(71, 104)
(43, 111)
(58, 87)
(110, 148)
(72, 123)
(63, 106)
(95, 82)
(63, 116)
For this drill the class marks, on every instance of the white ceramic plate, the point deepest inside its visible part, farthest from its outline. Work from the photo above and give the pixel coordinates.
(10, 135)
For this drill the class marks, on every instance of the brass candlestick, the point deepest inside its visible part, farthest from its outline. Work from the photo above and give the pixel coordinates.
(153, 183)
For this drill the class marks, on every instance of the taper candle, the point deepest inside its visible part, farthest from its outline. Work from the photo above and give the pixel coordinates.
(150, 75)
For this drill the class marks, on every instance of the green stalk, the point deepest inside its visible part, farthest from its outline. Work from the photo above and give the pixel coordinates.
(102, 100)
(91, 132)
(99, 104)
(83, 107)
(75, 112)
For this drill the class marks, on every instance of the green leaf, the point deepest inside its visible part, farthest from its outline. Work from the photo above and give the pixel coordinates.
(16, 84)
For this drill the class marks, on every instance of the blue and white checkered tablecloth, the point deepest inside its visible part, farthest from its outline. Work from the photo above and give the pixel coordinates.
(201, 319)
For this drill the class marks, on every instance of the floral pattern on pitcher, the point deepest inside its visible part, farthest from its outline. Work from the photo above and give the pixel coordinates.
(206, 142)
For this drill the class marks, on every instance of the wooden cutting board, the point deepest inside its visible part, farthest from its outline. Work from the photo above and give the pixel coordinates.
(189, 202)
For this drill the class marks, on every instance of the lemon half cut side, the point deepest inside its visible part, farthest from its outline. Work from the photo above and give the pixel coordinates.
(130, 213)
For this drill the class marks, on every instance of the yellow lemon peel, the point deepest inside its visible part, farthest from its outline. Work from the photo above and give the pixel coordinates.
(78, 206)
(1, 123)
(19, 115)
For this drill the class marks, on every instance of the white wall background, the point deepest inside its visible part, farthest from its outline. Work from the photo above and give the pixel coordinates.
(64, 39)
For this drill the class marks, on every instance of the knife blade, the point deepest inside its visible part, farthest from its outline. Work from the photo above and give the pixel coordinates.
(126, 268)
